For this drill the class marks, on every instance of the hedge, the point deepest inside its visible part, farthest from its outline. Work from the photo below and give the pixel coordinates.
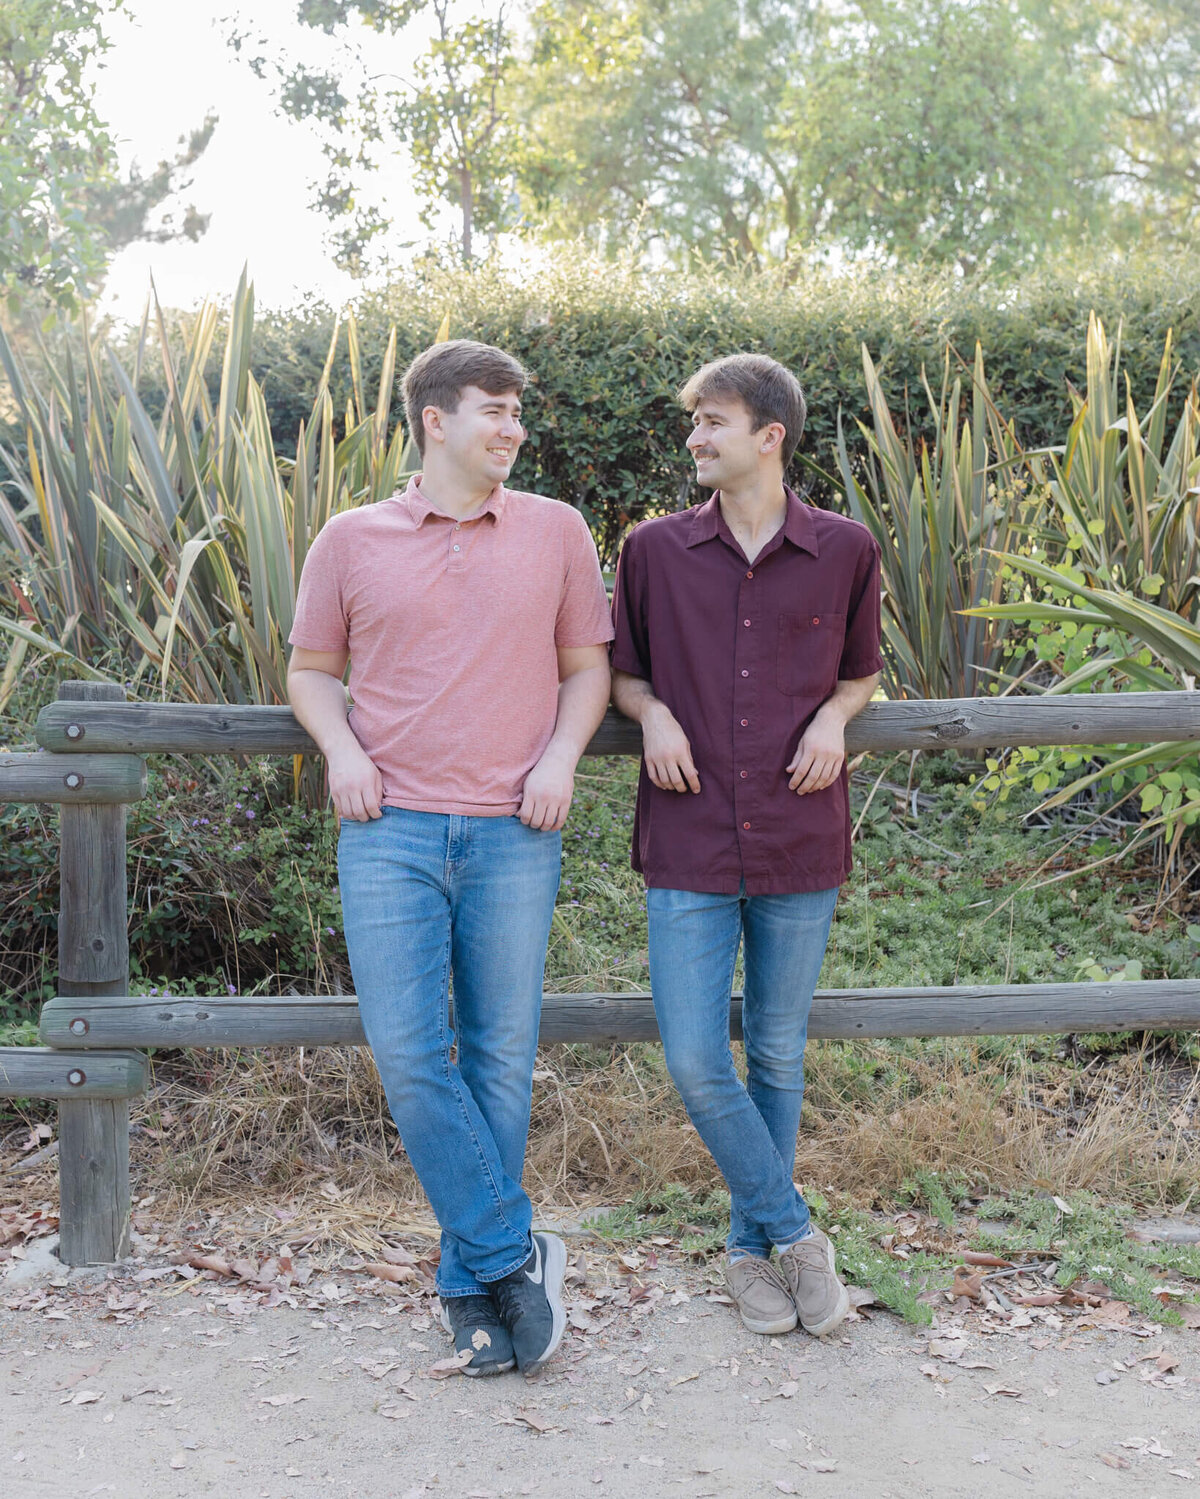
(609, 344)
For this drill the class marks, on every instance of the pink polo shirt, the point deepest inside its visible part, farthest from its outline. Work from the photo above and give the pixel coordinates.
(452, 629)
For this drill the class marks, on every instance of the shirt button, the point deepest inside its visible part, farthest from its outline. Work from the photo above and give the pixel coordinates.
(743, 774)
(746, 622)
(745, 674)
(745, 722)
(458, 525)
(750, 574)
(746, 825)
(816, 619)
(458, 549)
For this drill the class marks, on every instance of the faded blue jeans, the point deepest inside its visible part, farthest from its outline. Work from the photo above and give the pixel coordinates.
(750, 1130)
(428, 896)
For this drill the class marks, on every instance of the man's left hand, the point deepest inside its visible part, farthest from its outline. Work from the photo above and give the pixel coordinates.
(819, 756)
(546, 799)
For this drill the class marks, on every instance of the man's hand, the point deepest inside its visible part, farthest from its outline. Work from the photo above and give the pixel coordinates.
(666, 750)
(355, 784)
(819, 756)
(549, 787)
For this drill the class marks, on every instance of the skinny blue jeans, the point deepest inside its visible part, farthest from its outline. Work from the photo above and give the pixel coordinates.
(750, 1130)
(429, 897)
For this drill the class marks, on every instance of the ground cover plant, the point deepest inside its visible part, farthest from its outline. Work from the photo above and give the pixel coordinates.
(945, 892)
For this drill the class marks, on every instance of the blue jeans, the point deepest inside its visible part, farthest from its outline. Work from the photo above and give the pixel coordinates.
(425, 896)
(750, 1130)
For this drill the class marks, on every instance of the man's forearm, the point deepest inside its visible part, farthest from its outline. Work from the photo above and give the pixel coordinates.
(582, 701)
(319, 702)
(633, 696)
(849, 698)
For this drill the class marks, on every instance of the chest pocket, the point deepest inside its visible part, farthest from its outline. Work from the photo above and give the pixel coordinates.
(810, 648)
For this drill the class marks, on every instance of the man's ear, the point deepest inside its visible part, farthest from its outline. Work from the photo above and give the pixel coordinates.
(431, 420)
(772, 436)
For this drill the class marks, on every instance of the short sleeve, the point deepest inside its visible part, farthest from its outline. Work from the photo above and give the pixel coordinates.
(320, 622)
(631, 643)
(861, 652)
(583, 617)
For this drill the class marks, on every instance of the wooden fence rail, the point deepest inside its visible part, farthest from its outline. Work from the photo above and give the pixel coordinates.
(90, 763)
(958, 723)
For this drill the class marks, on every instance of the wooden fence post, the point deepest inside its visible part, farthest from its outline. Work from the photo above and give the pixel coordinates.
(93, 958)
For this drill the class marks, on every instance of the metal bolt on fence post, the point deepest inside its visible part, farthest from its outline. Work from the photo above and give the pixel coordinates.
(79, 1026)
(74, 731)
(73, 781)
(76, 1077)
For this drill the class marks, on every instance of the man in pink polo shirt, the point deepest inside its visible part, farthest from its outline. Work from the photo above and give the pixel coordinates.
(475, 623)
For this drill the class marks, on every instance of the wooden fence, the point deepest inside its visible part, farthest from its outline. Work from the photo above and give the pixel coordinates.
(90, 763)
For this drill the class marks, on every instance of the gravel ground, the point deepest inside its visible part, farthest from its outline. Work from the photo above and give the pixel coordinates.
(172, 1394)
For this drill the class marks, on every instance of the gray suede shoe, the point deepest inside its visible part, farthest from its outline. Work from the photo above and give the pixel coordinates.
(808, 1267)
(761, 1295)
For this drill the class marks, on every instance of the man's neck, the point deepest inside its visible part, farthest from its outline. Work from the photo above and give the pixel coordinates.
(452, 493)
(754, 512)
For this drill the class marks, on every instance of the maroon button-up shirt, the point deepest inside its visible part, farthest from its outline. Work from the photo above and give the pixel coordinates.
(744, 654)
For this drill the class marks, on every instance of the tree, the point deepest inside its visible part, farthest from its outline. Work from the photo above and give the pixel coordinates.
(657, 114)
(956, 131)
(1149, 52)
(948, 130)
(448, 117)
(64, 208)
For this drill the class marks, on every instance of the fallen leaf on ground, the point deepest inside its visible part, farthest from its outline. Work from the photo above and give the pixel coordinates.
(966, 1284)
(537, 1423)
(282, 1399)
(979, 1257)
(394, 1273)
(213, 1262)
(445, 1367)
(1114, 1460)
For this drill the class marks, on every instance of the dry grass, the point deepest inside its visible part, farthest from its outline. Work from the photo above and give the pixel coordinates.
(300, 1144)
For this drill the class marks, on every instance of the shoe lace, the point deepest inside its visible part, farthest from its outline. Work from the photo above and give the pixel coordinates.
(755, 1269)
(507, 1294)
(808, 1254)
(473, 1311)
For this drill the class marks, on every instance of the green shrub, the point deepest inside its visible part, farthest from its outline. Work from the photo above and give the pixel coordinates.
(609, 345)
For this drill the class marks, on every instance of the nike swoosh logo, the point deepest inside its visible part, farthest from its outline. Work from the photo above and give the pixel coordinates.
(536, 1275)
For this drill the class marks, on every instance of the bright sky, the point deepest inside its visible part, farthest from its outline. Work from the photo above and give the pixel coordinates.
(170, 64)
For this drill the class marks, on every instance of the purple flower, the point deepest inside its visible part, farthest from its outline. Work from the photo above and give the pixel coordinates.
(229, 989)
(250, 816)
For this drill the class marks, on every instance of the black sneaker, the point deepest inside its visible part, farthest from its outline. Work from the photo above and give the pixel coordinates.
(530, 1302)
(476, 1325)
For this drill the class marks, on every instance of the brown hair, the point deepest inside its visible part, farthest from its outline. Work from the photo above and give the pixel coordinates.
(439, 375)
(769, 393)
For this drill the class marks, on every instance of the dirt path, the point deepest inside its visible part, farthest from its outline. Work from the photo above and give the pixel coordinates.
(147, 1390)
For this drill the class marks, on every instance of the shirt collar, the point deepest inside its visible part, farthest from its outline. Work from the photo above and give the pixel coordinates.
(421, 507)
(798, 525)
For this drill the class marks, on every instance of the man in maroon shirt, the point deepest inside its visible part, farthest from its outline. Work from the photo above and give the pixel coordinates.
(747, 636)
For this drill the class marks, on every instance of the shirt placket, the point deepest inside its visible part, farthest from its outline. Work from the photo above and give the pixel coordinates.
(747, 710)
(456, 553)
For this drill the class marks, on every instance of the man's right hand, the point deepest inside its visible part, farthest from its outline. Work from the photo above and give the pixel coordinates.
(666, 750)
(355, 784)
